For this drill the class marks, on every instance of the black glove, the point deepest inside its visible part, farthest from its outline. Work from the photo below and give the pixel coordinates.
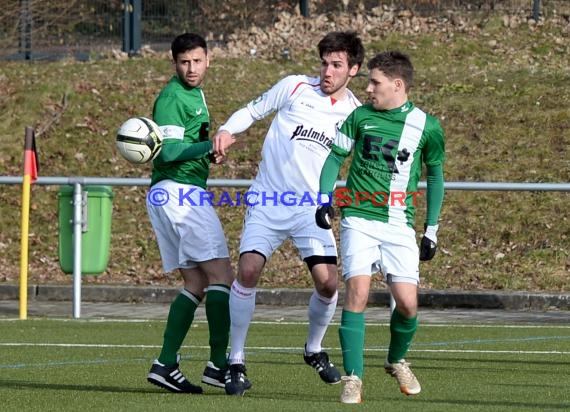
(427, 248)
(324, 216)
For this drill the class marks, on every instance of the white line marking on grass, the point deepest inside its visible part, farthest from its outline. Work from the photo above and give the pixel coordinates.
(304, 323)
(424, 325)
(276, 348)
(91, 320)
(70, 363)
(493, 341)
(509, 352)
(522, 326)
(86, 345)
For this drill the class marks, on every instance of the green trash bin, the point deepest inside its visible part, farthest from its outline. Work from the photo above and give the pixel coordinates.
(96, 230)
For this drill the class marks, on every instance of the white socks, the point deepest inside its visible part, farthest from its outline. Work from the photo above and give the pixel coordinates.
(242, 306)
(321, 312)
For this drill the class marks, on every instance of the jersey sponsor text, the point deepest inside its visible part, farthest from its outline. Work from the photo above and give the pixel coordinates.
(303, 133)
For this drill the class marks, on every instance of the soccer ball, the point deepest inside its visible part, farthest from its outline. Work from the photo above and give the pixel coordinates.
(139, 140)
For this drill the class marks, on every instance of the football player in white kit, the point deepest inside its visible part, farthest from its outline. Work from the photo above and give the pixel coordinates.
(283, 198)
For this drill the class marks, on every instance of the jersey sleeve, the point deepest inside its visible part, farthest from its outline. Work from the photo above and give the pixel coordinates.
(434, 157)
(168, 113)
(341, 148)
(434, 148)
(346, 135)
(238, 122)
(274, 98)
(329, 173)
(180, 152)
(435, 193)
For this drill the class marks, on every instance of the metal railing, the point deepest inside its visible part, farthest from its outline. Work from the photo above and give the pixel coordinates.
(142, 181)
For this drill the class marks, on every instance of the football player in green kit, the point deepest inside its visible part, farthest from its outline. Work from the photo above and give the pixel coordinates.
(189, 234)
(391, 139)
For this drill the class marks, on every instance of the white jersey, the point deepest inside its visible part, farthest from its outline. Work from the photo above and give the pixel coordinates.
(300, 136)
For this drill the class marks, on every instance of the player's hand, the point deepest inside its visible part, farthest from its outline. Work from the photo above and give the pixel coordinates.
(324, 216)
(221, 141)
(216, 158)
(428, 245)
(427, 249)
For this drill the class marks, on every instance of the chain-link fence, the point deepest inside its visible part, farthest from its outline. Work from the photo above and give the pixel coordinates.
(33, 29)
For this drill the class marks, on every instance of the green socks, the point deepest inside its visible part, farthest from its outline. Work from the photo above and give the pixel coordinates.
(351, 333)
(179, 320)
(402, 331)
(218, 315)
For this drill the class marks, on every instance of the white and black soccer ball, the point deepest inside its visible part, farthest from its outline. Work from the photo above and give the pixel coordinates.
(139, 140)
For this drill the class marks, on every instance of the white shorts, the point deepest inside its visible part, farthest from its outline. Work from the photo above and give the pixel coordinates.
(266, 227)
(369, 246)
(187, 231)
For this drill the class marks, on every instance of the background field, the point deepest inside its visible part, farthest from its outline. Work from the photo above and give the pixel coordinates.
(499, 83)
(58, 365)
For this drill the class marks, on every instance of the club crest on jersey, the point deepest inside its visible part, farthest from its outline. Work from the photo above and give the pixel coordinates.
(319, 137)
(259, 98)
(403, 155)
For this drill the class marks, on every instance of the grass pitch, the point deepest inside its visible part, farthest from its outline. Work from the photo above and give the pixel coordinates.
(90, 365)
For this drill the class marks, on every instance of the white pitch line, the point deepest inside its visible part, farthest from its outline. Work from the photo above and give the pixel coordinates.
(277, 348)
(434, 325)
(305, 323)
(86, 345)
(510, 352)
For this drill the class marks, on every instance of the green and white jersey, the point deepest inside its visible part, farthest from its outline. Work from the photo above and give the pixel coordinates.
(389, 149)
(182, 116)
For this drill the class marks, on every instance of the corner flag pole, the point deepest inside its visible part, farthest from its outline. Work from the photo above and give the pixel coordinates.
(30, 176)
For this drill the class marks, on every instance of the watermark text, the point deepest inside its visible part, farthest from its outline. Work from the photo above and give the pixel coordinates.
(341, 197)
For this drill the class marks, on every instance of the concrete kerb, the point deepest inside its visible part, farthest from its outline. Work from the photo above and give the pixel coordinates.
(435, 299)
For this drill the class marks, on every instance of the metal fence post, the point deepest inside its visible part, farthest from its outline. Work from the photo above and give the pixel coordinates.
(304, 7)
(132, 26)
(536, 10)
(77, 232)
(25, 29)
(136, 27)
(126, 26)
